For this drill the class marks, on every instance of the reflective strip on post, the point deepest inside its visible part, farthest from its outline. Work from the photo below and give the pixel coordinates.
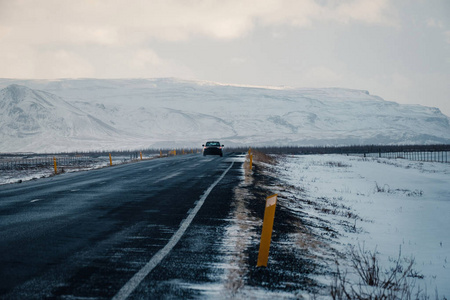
(266, 235)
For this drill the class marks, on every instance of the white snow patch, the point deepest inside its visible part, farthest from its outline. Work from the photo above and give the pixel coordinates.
(402, 203)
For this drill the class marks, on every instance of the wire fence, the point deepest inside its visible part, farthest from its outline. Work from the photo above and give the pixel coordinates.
(431, 153)
(431, 156)
(45, 162)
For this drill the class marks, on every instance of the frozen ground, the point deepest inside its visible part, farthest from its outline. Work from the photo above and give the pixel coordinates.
(380, 204)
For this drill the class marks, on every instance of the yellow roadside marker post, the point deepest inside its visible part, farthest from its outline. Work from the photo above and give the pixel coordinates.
(160, 153)
(110, 160)
(266, 235)
(250, 155)
(141, 155)
(54, 163)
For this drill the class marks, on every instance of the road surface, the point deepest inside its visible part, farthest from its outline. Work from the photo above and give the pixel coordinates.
(133, 231)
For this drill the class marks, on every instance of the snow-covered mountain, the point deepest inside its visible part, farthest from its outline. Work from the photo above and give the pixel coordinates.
(86, 114)
(33, 120)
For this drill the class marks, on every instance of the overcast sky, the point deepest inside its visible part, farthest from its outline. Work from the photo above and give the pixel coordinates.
(399, 50)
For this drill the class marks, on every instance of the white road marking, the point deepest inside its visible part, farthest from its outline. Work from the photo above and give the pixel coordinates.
(133, 283)
(35, 200)
(168, 176)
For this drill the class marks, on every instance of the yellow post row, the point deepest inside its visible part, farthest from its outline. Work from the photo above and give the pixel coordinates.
(266, 235)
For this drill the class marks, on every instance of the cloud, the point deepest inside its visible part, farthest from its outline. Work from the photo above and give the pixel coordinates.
(147, 63)
(115, 22)
(4, 31)
(320, 76)
(82, 34)
(433, 23)
(62, 64)
(238, 60)
(52, 38)
(401, 82)
(305, 13)
(447, 36)
(366, 11)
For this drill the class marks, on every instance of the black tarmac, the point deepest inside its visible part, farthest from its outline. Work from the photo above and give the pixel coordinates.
(84, 235)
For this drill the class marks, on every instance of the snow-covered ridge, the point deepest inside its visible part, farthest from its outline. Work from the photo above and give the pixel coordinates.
(85, 114)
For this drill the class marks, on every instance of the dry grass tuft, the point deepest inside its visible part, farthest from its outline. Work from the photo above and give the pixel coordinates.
(262, 157)
(395, 283)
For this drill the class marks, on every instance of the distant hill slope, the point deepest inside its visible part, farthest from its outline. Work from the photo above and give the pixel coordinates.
(86, 114)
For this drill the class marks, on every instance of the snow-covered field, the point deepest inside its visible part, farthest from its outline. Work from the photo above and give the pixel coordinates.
(383, 205)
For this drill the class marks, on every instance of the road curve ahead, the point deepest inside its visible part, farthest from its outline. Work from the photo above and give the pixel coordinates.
(110, 233)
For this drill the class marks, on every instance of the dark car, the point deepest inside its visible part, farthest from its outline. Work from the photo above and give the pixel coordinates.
(212, 148)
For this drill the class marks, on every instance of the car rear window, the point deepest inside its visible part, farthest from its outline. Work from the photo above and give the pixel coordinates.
(213, 144)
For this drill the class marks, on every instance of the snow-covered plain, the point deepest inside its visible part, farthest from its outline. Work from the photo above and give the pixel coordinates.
(123, 114)
(392, 204)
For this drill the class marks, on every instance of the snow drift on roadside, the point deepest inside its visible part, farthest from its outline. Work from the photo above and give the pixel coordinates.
(401, 203)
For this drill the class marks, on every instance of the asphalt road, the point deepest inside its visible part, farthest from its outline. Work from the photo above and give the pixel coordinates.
(134, 231)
